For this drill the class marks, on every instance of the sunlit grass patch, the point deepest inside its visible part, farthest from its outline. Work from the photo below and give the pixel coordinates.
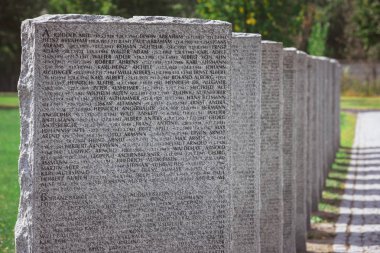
(332, 194)
(8, 100)
(9, 189)
(362, 103)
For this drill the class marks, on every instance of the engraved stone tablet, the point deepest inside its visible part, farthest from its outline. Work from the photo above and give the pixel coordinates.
(288, 149)
(313, 123)
(337, 80)
(245, 141)
(328, 115)
(301, 125)
(319, 154)
(331, 113)
(308, 136)
(125, 142)
(324, 111)
(271, 173)
(334, 66)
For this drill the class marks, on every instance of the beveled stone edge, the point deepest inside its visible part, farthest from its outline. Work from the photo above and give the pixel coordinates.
(23, 231)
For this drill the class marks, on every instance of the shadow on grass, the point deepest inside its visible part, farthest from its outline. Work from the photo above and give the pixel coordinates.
(8, 107)
(324, 220)
(322, 231)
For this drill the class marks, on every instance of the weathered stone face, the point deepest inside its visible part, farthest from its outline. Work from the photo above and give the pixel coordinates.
(271, 173)
(245, 141)
(124, 135)
(313, 132)
(162, 134)
(288, 149)
(301, 139)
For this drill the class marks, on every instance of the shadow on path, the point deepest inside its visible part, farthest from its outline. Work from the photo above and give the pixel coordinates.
(358, 225)
(358, 203)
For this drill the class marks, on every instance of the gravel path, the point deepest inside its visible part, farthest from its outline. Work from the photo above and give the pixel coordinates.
(358, 227)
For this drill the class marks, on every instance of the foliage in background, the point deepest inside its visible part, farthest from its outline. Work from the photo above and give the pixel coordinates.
(317, 40)
(124, 8)
(11, 14)
(338, 14)
(351, 86)
(181, 8)
(353, 30)
(278, 20)
(367, 19)
(80, 6)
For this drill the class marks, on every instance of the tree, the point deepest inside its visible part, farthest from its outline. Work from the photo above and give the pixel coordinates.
(182, 8)
(81, 6)
(278, 20)
(12, 14)
(367, 19)
(317, 39)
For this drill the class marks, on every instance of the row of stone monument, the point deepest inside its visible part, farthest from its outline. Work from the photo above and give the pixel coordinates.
(161, 134)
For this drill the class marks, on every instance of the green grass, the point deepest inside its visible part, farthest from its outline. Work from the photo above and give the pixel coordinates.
(9, 189)
(8, 100)
(360, 103)
(332, 194)
(347, 128)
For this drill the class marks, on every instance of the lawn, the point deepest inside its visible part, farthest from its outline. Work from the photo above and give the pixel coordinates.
(8, 100)
(323, 221)
(360, 103)
(9, 190)
(9, 142)
(323, 229)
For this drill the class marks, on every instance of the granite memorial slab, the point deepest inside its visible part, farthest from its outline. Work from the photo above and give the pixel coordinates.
(124, 139)
(289, 150)
(271, 168)
(313, 128)
(245, 141)
(301, 140)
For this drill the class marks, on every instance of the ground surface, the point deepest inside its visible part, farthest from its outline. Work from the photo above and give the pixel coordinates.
(322, 233)
(8, 100)
(9, 190)
(360, 103)
(321, 236)
(358, 226)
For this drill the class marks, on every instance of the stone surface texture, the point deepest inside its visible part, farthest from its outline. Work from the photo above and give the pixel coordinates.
(288, 150)
(245, 141)
(301, 150)
(163, 134)
(124, 139)
(313, 132)
(319, 128)
(271, 168)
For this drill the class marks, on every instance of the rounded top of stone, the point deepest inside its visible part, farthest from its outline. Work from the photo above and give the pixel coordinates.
(136, 19)
(246, 35)
(271, 42)
(291, 49)
(76, 18)
(301, 52)
(322, 58)
(333, 60)
(175, 20)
